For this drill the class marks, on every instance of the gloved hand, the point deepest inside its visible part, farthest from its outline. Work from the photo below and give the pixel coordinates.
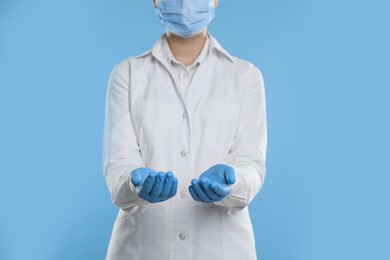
(214, 184)
(154, 186)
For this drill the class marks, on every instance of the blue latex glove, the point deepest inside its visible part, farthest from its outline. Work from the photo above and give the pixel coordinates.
(154, 186)
(214, 184)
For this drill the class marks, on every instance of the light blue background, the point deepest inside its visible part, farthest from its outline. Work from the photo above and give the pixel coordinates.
(326, 71)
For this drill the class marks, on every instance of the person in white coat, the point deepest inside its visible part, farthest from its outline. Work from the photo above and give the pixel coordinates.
(184, 149)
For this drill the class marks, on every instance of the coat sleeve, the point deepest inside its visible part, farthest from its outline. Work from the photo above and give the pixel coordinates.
(247, 155)
(121, 152)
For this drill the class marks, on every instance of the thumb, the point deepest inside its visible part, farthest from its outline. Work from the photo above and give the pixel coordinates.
(135, 178)
(230, 175)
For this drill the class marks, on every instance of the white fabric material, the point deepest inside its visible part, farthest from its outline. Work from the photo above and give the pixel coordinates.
(221, 118)
(183, 75)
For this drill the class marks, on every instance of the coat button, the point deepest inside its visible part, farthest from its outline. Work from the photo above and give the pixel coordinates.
(183, 153)
(182, 194)
(184, 115)
(182, 236)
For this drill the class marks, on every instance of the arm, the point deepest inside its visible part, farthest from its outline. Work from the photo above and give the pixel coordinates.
(248, 151)
(121, 152)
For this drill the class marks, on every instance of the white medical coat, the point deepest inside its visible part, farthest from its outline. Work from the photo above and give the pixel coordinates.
(149, 123)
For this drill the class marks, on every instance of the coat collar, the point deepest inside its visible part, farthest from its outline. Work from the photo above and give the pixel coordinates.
(166, 52)
(157, 52)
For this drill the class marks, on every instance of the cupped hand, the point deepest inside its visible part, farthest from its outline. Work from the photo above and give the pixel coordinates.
(214, 184)
(154, 186)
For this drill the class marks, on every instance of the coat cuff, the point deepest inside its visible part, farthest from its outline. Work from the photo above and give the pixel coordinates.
(237, 199)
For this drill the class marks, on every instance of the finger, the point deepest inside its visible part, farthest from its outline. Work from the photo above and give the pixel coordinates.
(199, 190)
(167, 185)
(173, 187)
(221, 190)
(158, 186)
(205, 182)
(135, 178)
(230, 175)
(148, 184)
(193, 194)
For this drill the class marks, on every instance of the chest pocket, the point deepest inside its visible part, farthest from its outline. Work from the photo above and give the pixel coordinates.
(219, 122)
(220, 109)
(158, 108)
(156, 120)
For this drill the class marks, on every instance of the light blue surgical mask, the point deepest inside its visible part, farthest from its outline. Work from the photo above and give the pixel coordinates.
(185, 18)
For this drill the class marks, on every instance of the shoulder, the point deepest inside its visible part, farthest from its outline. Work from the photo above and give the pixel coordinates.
(125, 65)
(246, 68)
(249, 74)
(240, 67)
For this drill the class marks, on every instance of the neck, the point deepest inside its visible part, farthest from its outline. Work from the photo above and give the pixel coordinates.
(186, 50)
